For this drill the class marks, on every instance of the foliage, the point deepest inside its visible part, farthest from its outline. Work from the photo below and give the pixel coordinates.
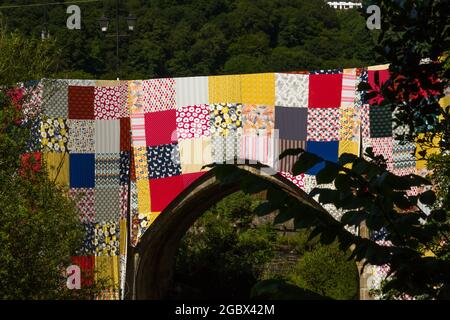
(327, 271)
(184, 38)
(39, 226)
(221, 248)
(16, 53)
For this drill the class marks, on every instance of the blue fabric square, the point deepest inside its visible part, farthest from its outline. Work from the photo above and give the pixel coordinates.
(327, 150)
(163, 161)
(82, 170)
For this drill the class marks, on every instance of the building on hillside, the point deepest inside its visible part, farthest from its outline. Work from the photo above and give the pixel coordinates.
(344, 4)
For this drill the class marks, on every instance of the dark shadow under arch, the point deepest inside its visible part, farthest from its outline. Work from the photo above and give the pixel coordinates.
(150, 265)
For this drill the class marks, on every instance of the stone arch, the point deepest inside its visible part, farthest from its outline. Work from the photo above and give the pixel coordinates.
(150, 264)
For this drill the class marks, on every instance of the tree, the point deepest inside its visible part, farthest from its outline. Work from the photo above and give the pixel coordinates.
(39, 225)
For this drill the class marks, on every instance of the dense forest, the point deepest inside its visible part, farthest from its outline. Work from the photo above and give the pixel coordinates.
(199, 37)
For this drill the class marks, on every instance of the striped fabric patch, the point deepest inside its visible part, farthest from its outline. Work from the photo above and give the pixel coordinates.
(138, 129)
(258, 148)
(348, 88)
(286, 164)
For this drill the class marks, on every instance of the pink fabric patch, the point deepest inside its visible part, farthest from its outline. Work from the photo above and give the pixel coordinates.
(159, 94)
(161, 127)
(163, 191)
(193, 122)
(384, 147)
(325, 90)
(323, 124)
(111, 102)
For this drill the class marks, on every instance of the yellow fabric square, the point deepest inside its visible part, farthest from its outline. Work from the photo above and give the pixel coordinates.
(153, 217)
(57, 165)
(194, 154)
(143, 195)
(422, 164)
(123, 236)
(140, 163)
(258, 88)
(348, 147)
(224, 89)
(351, 147)
(107, 270)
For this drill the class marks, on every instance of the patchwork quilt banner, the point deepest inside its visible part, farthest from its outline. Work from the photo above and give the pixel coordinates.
(126, 149)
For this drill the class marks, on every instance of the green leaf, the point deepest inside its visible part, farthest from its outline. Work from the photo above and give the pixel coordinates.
(328, 173)
(305, 162)
(291, 152)
(347, 158)
(428, 197)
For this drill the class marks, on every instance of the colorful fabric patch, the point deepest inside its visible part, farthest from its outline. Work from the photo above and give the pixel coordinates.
(81, 102)
(286, 164)
(326, 150)
(291, 123)
(348, 147)
(165, 190)
(225, 148)
(193, 121)
(34, 140)
(82, 136)
(404, 160)
(349, 81)
(107, 170)
(161, 127)
(123, 202)
(380, 121)
(298, 180)
(194, 154)
(107, 204)
(224, 88)
(125, 163)
(163, 161)
(82, 170)
(32, 101)
(107, 136)
(111, 102)
(30, 163)
(88, 247)
(159, 94)
(226, 119)
(349, 128)
(260, 149)
(57, 164)
(258, 88)
(106, 238)
(55, 98)
(325, 90)
(85, 202)
(384, 147)
(125, 134)
(86, 264)
(291, 90)
(54, 134)
(135, 97)
(191, 91)
(258, 120)
(138, 129)
(140, 163)
(323, 124)
(326, 71)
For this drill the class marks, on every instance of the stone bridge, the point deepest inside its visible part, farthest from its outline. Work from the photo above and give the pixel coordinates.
(131, 153)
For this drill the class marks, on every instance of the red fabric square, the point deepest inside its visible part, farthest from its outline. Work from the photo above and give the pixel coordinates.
(325, 90)
(125, 134)
(377, 78)
(161, 127)
(163, 191)
(81, 102)
(86, 264)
